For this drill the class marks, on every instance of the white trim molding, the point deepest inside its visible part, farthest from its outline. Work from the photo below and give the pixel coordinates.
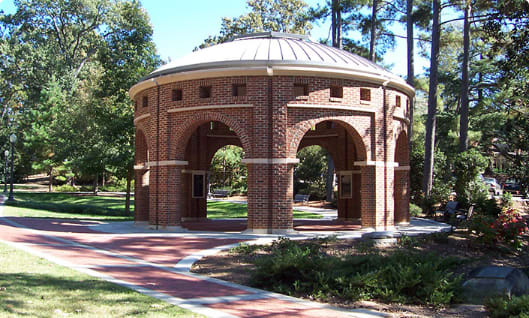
(339, 107)
(402, 118)
(142, 117)
(264, 68)
(376, 164)
(270, 161)
(167, 163)
(320, 136)
(204, 172)
(141, 167)
(402, 168)
(187, 109)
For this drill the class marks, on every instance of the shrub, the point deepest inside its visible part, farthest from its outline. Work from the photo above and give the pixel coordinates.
(506, 200)
(467, 166)
(403, 276)
(245, 249)
(488, 207)
(510, 226)
(507, 227)
(65, 188)
(120, 185)
(483, 227)
(505, 308)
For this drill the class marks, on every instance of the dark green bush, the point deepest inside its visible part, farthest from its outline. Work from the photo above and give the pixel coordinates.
(487, 207)
(506, 308)
(415, 210)
(403, 276)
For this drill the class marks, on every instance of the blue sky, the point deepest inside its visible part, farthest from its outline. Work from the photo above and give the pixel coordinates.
(181, 25)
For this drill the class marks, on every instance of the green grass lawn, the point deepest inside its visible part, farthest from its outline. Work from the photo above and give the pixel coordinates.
(33, 287)
(222, 210)
(61, 205)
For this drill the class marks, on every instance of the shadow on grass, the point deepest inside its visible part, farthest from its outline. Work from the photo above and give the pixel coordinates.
(64, 203)
(41, 295)
(69, 208)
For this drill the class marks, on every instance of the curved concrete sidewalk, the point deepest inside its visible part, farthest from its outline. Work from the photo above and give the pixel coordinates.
(157, 264)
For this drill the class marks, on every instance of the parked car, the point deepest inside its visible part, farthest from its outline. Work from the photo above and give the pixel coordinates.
(493, 185)
(512, 187)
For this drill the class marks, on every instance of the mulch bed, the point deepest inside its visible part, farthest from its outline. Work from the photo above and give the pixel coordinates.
(237, 268)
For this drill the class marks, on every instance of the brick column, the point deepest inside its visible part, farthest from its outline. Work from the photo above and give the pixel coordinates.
(165, 196)
(270, 194)
(282, 197)
(373, 197)
(141, 195)
(402, 195)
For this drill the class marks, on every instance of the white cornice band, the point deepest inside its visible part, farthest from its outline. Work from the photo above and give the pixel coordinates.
(274, 70)
(337, 107)
(187, 109)
(376, 164)
(270, 161)
(141, 167)
(403, 168)
(167, 163)
(141, 117)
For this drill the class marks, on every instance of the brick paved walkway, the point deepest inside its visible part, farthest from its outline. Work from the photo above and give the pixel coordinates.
(157, 265)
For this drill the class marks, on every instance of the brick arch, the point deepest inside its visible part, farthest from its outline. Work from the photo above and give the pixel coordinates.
(141, 147)
(401, 149)
(191, 123)
(301, 128)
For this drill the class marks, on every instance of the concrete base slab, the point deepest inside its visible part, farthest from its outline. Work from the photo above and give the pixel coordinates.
(271, 231)
(382, 238)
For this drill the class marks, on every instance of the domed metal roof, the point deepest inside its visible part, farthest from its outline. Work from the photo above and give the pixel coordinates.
(273, 53)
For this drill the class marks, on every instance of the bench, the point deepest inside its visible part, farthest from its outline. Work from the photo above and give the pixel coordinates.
(221, 193)
(453, 215)
(301, 198)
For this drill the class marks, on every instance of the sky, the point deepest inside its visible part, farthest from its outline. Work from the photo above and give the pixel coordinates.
(181, 25)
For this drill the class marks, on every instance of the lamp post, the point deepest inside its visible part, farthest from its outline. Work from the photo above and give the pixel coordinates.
(6, 154)
(12, 139)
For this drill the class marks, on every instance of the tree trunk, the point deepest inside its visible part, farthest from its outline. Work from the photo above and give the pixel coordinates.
(127, 194)
(329, 182)
(463, 119)
(336, 24)
(372, 54)
(480, 80)
(103, 181)
(429, 142)
(333, 21)
(336, 42)
(96, 184)
(411, 66)
(338, 27)
(50, 180)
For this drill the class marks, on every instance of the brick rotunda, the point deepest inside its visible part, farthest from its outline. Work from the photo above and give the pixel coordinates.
(271, 94)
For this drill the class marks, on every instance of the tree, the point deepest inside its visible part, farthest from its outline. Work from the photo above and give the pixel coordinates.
(128, 54)
(309, 174)
(509, 26)
(265, 15)
(227, 169)
(77, 60)
(463, 123)
(432, 101)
